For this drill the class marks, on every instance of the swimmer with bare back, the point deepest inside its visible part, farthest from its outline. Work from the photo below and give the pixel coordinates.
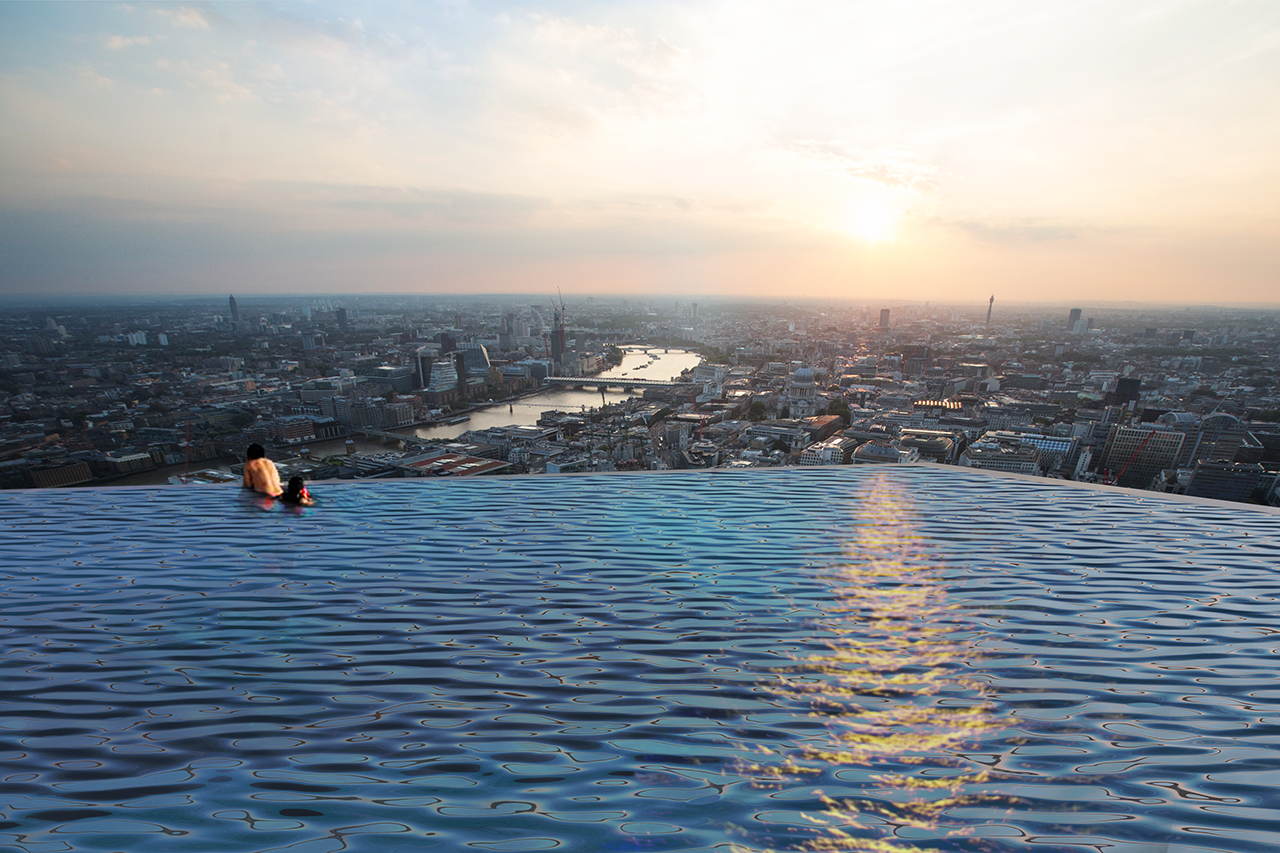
(260, 473)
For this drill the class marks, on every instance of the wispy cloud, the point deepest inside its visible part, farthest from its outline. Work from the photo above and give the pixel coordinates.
(185, 16)
(1021, 232)
(895, 169)
(121, 42)
(93, 78)
(220, 80)
(451, 206)
(563, 74)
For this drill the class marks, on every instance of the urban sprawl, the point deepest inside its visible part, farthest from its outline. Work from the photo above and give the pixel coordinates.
(1181, 401)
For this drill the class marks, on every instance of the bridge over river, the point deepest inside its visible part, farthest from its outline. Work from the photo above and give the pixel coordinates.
(408, 439)
(613, 382)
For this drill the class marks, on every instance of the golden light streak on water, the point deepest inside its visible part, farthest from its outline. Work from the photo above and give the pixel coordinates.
(894, 688)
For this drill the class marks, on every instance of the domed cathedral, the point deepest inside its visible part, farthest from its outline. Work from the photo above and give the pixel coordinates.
(802, 393)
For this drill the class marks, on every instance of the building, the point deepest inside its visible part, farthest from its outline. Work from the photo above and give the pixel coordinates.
(995, 455)
(711, 377)
(316, 390)
(932, 445)
(397, 415)
(398, 378)
(447, 463)
(440, 375)
(802, 394)
(1220, 437)
(766, 434)
(235, 309)
(932, 449)
(822, 427)
(358, 414)
(293, 429)
(1127, 391)
(1134, 456)
(1073, 318)
(699, 454)
(557, 345)
(1055, 451)
(833, 451)
(475, 359)
(879, 452)
(568, 464)
(1224, 480)
(1187, 424)
(127, 463)
(884, 318)
(58, 476)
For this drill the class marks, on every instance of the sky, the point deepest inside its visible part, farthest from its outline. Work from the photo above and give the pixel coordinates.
(950, 151)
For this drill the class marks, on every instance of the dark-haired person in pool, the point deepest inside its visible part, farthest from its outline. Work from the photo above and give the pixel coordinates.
(260, 473)
(297, 493)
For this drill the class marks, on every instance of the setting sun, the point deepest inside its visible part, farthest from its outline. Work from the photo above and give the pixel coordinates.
(873, 219)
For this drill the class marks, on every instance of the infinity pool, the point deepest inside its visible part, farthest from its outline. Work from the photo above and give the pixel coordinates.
(914, 658)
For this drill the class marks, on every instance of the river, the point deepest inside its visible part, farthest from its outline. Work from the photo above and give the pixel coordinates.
(635, 365)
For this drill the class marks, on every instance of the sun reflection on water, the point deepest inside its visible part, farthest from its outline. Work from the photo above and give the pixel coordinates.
(895, 690)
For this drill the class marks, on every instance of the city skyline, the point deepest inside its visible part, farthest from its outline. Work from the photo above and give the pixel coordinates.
(1060, 153)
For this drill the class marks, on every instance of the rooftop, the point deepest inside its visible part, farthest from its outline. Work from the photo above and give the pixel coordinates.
(655, 661)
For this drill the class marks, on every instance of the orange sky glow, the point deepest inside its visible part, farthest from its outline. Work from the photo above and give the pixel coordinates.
(924, 150)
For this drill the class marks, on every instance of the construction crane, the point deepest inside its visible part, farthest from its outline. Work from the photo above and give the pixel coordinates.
(1110, 480)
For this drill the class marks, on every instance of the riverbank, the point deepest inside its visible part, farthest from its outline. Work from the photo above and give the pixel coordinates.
(520, 409)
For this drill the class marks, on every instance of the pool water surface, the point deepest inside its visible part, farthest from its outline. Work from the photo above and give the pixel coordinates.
(919, 658)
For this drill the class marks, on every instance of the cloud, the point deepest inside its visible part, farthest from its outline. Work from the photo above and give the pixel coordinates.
(121, 42)
(569, 75)
(220, 80)
(456, 207)
(654, 56)
(93, 78)
(891, 169)
(185, 16)
(1020, 232)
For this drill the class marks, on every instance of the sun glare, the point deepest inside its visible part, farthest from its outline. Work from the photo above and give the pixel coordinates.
(873, 219)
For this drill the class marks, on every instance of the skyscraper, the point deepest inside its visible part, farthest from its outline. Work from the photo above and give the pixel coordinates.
(235, 311)
(884, 318)
(460, 367)
(1133, 455)
(342, 319)
(1073, 319)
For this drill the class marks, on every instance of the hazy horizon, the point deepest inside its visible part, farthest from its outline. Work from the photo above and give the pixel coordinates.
(1049, 154)
(708, 302)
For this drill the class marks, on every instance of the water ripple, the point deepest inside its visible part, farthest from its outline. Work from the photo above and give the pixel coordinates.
(593, 664)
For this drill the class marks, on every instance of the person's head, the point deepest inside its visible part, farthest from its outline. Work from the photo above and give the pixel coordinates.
(255, 451)
(296, 486)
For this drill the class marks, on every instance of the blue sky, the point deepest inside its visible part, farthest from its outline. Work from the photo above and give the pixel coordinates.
(926, 150)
